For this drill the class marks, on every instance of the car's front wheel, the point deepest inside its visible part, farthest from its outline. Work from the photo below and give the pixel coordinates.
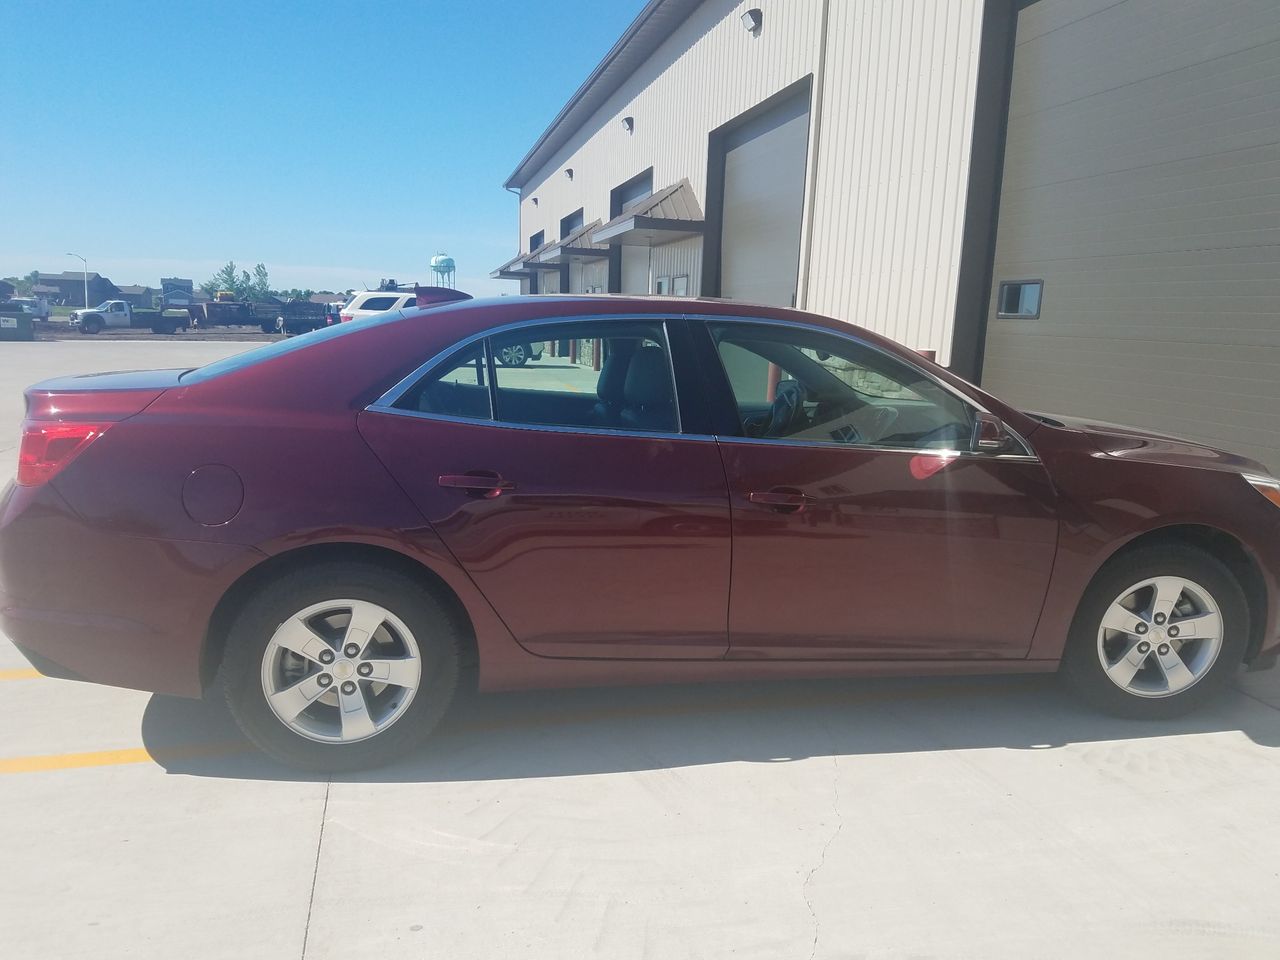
(344, 666)
(1159, 632)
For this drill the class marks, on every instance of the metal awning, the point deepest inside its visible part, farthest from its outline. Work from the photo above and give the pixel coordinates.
(576, 246)
(533, 259)
(513, 269)
(673, 213)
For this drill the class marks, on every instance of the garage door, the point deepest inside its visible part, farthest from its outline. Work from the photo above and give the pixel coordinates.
(764, 171)
(1142, 190)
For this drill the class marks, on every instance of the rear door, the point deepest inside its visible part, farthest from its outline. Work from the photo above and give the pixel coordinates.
(567, 490)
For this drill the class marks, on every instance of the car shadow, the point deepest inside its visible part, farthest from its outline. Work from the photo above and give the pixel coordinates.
(599, 731)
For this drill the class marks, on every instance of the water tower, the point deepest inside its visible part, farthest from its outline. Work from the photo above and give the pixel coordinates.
(444, 269)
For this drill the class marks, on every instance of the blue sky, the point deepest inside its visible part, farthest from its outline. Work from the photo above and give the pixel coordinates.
(335, 142)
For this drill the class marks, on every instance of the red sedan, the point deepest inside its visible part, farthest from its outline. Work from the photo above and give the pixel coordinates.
(341, 530)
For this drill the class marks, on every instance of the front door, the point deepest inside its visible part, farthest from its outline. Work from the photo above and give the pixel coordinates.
(565, 489)
(862, 525)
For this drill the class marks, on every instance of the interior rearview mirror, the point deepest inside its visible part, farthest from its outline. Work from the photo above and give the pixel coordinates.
(989, 434)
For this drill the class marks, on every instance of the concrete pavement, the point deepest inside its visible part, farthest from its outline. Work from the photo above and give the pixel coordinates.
(983, 818)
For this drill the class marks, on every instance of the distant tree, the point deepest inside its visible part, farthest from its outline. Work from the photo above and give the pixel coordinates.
(260, 286)
(224, 279)
(22, 286)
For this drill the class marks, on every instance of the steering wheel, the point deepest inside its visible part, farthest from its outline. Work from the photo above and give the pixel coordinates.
(787, 408)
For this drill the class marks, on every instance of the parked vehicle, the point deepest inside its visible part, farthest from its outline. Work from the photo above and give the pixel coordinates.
(302, 316)
(116, 314)
(221, 312)
(723, 492)
(35, 307)
(369, 302)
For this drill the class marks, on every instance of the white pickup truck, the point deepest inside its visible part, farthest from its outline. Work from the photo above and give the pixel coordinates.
(37, 308)
(113, 314)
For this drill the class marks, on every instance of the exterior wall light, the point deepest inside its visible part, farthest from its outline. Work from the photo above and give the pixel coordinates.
(752, 20)
(568, 172)
(534, 201)
(629, 124)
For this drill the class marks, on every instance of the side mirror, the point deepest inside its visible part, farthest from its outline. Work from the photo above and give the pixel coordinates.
(989, 434)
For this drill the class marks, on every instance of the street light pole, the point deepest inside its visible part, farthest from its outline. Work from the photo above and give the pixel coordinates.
(86, 277)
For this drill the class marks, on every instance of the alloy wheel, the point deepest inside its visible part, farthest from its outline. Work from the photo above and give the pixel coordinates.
(512, 356)
(1160, 636)
(341, 671)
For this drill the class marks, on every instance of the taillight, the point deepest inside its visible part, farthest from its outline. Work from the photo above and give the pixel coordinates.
(47, 447)
(345, 317)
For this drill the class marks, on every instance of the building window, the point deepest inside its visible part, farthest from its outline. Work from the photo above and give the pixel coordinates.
(680, 286)
(662, 286)
(537, 240)
(1019, 299)
(570, 223)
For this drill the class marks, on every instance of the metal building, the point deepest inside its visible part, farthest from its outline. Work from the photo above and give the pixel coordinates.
(1074, 202)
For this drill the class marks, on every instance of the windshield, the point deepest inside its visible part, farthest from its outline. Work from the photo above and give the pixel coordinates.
(103, 305)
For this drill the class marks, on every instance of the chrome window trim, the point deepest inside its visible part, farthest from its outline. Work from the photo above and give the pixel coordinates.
(386, 403)
(539, 427)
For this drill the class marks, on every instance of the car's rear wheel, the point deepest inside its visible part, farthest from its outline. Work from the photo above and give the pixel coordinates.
(1160, 632)
(340, 667)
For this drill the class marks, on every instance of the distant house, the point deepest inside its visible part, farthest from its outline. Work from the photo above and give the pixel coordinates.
(45, 290)
(137, 296)
(177, 291)
(70, 287)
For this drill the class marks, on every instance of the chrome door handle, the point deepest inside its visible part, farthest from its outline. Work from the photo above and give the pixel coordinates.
(781, 500)
(487, 485)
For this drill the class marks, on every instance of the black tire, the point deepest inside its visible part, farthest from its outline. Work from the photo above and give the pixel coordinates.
(267, 327)
(92, 325)
(1081, 667)
(164, 329)
(435, 630)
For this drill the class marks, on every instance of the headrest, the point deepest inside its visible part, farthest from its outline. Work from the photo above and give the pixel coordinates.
(613, 372)
(648, 380)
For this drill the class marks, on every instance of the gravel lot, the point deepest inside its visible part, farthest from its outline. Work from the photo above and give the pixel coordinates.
(968, 818)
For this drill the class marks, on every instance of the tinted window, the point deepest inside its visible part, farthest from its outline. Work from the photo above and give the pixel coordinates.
(803, 385)
(378, 303)
(612, 375)
(459, 387)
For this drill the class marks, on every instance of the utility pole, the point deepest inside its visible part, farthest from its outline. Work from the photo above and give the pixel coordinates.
(86, 277)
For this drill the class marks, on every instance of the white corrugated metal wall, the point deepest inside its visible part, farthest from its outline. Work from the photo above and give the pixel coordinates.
(1142, 185)
(709, 71)
(893, 166)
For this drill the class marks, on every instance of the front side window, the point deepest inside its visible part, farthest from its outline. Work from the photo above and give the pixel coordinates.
(802, 385)
(613, 374)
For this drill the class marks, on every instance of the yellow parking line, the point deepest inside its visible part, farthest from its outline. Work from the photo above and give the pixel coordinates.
(24, 674)
(108, 758)
(66, 761)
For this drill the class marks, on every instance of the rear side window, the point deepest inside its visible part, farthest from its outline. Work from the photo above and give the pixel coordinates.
(613, 374)
(600, 375)
(459, 387)
(377, 303)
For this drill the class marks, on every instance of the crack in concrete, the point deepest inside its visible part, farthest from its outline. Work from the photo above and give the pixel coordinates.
(315, 871)
(822, 859)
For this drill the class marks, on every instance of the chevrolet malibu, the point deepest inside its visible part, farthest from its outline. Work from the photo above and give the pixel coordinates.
(340, 531)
